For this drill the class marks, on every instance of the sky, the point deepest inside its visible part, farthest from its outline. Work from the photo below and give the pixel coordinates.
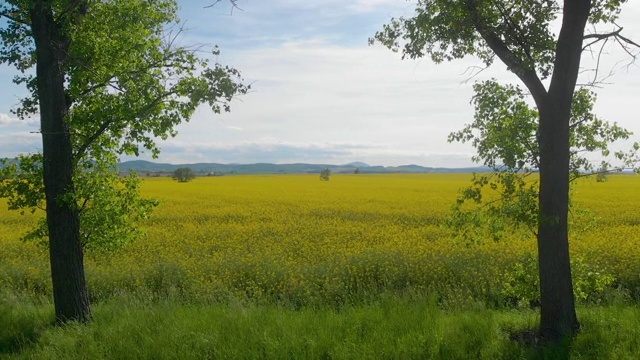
(321, 94)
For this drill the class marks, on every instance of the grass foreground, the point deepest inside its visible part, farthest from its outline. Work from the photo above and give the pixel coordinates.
(391, 328)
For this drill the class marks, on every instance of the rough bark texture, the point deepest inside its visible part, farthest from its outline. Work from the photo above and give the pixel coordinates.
(557, 313)
(67, 268)
(558, 316)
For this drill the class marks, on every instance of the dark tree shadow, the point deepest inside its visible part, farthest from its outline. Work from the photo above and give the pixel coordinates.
(18, 335)
(537, 348)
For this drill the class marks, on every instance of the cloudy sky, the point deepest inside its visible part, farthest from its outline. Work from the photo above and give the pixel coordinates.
(322, 95)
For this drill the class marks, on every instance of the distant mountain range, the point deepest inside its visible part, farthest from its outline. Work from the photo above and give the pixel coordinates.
(143, 166)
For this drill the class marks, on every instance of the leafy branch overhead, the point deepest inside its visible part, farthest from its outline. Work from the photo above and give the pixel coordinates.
(504, 135)
(518, 32)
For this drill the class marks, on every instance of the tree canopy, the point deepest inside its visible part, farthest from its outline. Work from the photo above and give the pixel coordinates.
(325, 174)
(183, 175)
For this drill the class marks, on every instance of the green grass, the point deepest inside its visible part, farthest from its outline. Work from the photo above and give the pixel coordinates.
(392, 328)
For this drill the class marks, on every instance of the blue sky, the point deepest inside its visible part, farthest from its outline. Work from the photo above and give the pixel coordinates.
(321, 94)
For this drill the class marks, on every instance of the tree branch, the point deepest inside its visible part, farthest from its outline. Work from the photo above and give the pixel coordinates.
(515, 65)
(628, 41)
(575, 124)
(80, 5)
(527, 144)
(12, 16)
(105, 125)
(234, 5)
(474, 71)
(519, 36)
(101, 130)
(602, 36)
(601, 172)
(625, 43)
(625, 46)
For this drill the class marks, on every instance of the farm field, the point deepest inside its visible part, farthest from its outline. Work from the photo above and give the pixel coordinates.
(294, 240)
(294, 243)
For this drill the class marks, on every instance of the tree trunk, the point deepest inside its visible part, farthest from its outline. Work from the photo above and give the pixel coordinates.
(70, 293)
(557, 314)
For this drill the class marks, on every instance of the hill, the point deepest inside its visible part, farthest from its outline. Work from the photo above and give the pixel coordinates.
(143, 166)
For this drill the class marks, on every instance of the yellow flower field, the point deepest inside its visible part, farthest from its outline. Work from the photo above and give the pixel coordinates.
(295, 240)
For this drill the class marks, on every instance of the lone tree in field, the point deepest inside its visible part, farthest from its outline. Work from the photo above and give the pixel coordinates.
(325, 174)
(109, 79)
(519, 33)
(183, 175)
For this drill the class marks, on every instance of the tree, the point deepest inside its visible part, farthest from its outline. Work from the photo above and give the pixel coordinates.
(519, 33)
(109, 79)
(356, 171)
(183, 175)
(325, 174)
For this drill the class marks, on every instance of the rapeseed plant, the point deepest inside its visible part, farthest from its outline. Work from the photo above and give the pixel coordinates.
(284, 239)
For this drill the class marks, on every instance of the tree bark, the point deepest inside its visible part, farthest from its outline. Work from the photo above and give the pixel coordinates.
(557, 314)
(70, 293)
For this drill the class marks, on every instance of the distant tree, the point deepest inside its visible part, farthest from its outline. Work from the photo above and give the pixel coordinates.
(183, 175)
(601, 174)
(356, 171)
(325, 174)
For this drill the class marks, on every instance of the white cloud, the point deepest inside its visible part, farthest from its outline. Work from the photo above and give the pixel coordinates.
(7, 120)
(320, 94)
(14, 143)
(315, 92)
(366, 6)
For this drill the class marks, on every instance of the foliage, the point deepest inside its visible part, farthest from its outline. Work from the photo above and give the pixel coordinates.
(183, 175)
(445, 30)
(110, 205)
(23, 184)
(504, 134)
(394, 328)
(282, 240)
(522, 285)
(129, 82)
(325, 174)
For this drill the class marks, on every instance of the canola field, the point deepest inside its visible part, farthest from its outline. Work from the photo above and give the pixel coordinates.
(293, 240)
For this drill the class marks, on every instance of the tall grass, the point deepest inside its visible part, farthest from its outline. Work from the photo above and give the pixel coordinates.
(392, 328)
